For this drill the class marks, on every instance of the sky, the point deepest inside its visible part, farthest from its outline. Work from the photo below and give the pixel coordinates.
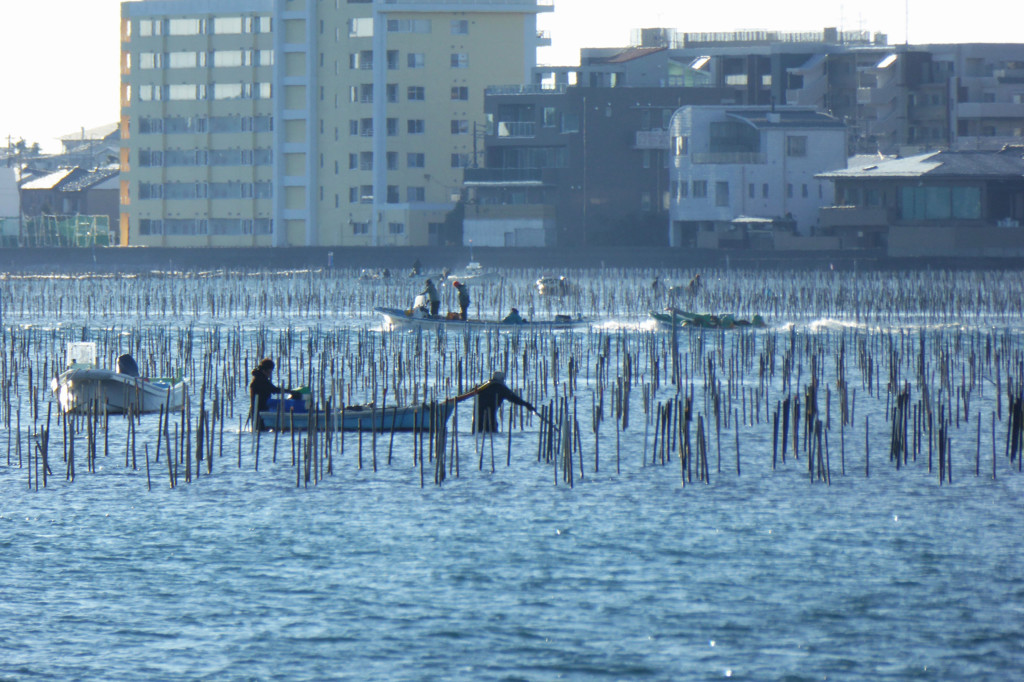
(59, 59)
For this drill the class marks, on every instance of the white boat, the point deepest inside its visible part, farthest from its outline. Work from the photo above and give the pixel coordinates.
(417, 417)
(415, 318)
(553, 286)
(84, 388)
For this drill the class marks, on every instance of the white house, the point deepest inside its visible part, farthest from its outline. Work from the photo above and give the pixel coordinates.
(739, 172)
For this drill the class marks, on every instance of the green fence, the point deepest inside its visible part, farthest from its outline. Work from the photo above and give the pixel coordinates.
(62, 230)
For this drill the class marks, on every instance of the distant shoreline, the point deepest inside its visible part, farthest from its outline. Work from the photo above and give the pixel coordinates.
(400, 259)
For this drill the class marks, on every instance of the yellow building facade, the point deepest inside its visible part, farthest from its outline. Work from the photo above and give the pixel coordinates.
(307, 123)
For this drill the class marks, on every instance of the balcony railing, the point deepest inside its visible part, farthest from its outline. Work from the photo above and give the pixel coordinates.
(516, 128)
(497, 176)
(533, 89)
(651, 139)
(741, 158)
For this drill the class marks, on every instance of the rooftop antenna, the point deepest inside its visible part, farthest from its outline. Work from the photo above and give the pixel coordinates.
(906, 22)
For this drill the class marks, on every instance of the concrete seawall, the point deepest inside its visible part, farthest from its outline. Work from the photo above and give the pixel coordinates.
(400, 259)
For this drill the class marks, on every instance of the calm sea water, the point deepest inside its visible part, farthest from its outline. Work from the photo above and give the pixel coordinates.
(509, 576)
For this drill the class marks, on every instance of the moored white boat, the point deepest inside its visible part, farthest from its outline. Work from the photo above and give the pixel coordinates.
(418, 417)
(84, 388)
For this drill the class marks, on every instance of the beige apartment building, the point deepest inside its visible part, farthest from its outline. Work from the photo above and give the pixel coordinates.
(308, 122)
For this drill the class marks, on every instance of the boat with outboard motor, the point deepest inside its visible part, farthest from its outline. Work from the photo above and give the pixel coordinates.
(417, 318)
(83, 387)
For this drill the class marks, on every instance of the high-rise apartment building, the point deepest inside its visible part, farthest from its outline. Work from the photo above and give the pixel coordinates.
(308, 122)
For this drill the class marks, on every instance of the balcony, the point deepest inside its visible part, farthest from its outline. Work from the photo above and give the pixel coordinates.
(1009, 75)
(722, 158)
(989, 110)
(651, 139)
(503, 176)
(516, 128)
(854, 216)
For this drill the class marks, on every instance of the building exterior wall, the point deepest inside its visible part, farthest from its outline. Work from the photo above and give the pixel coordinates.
(356, 117)
(773, 178)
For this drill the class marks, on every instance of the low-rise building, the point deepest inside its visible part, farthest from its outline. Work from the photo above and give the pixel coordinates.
(941, 203)
(574, 166)
(744, 177)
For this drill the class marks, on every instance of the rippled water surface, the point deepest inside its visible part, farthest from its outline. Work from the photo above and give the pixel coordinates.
(513, 574)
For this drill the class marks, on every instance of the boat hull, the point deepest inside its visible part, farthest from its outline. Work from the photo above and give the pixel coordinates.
(701, 321)
(396, 318)
(104, 390)
(361, 418)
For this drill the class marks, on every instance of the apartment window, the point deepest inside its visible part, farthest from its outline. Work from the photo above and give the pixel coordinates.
(549, 117)
(721, 193)
(416, 60)
(764, 191)
(646, 158)
(700, 189)
(396, 228)
(460, 27)
(392, 160)
(186, 27)
(227, 25)
(360, 228)
(392, 196)
(416, 93)
(796, 145)
(392, 57)
(360, 27)
(392, 92)
(803, 191)
(366, 194)
(416, 194)
(353, 127)
(459, 60)
(460, 127)
(366, 93)
(365, 161)
(392, 127)
(408, 25)
(684, 189)
(460, 160)
(460, 93)
(415, 160)
(789, 190)
(366, 127)
(750, 190)
(570, 123)
(415, 126)
(645, 201)
(151, 60)
(152, 27)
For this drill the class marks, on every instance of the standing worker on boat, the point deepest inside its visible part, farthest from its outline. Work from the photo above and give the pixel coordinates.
(430, 291)
(463, 290)
(489, 397)
(261, 387)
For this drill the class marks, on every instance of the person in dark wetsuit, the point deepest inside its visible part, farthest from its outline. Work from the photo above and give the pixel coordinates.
(489, 397)
(463, 290)
(261, 387)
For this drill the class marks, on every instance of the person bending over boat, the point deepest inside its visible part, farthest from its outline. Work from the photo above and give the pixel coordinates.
(463, 290)
(261, 387)
(430, 291)
(513, 318)
(489, 397)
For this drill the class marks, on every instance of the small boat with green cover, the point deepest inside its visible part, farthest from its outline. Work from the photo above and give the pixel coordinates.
(682, 318)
